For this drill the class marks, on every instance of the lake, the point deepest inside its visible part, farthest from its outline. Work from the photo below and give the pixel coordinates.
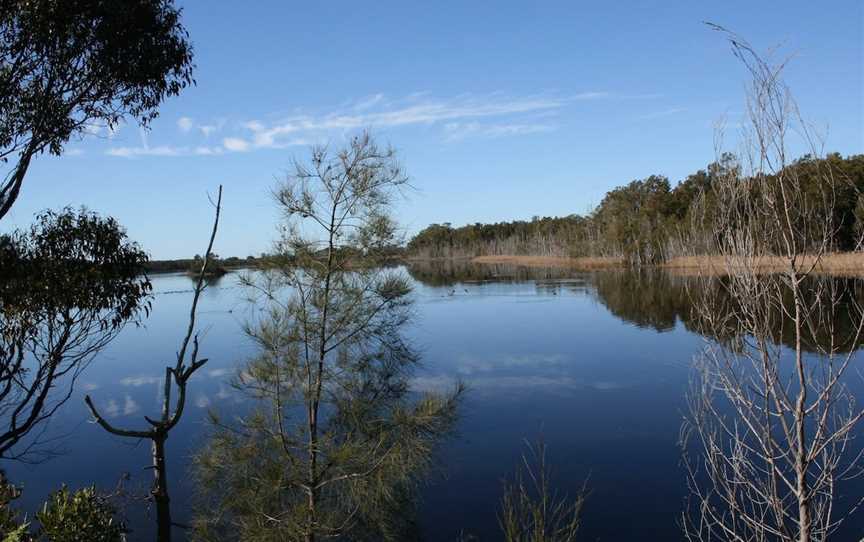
(596, 364)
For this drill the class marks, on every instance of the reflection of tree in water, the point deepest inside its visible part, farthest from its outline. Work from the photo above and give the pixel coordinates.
(657, 299)
(450, 272)
(644, 297)
(833, 300)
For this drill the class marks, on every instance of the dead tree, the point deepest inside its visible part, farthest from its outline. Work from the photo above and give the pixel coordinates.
(179, 374)
(768, 437)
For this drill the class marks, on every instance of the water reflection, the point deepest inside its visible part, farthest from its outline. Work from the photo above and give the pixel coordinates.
(658, 299)
(595, 361)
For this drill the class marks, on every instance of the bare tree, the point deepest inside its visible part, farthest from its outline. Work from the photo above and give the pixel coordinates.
(184, 367)
(768, 438)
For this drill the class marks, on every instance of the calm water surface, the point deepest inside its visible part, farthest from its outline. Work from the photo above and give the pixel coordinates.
(595, 364)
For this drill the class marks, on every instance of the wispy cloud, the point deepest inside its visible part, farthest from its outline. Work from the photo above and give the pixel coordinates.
(162, 150)
(663, 113)
(204, 150)
(136, 381)
(457, 131)
(144, 149)
(458, 117)
(112, 408)
(465, 112)
(235, 144)
(369, 102)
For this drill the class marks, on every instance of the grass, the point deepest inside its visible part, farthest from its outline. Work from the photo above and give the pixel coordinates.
(843, 264)
(847, 264)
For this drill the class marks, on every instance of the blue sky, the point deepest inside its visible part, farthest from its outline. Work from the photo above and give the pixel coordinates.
(500, 110)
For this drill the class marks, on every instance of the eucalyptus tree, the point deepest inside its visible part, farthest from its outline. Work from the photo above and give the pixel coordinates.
(338, 441)
(68, 285)
(769, 439)
(72, 66)
(177, 375)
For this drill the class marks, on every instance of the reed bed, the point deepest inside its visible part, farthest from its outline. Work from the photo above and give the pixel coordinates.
(847, 264)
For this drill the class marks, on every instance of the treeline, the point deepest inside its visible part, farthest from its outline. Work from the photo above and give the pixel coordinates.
(193, 265)
(649, 221)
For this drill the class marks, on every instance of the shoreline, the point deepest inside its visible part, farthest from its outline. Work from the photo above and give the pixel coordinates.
(586, 263)
(841, 264)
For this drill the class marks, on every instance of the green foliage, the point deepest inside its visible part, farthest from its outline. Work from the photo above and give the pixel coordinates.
(72, 260)
(546, 236)
(339, 443)
(68, 285)
(648, 221)
(12, 529)
(67, 66)
(79, 516)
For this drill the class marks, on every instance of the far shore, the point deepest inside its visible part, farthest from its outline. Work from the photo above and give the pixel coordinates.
(849, 264)
(588, 263)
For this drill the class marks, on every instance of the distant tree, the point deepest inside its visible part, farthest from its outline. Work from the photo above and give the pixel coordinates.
(647, 221)
(338, 443)
(69, 66)
(68, 285)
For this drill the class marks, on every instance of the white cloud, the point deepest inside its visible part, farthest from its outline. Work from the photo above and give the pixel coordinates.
(207, 151)
(457, 131)
(185, 124)
(112, 409)
(223, 392)
(664, 113)
(162, 150)
(590, 95)
(208, 129)
(130, 406)
(369, 102)
(489, 115)
(464, 111)
(202, 401)
(136, 381)
(235, 144)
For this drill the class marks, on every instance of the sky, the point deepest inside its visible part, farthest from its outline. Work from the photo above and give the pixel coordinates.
(498, 110)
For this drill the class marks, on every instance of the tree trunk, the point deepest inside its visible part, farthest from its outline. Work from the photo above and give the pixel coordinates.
(9, 192)
(802, 490)
(160, 490)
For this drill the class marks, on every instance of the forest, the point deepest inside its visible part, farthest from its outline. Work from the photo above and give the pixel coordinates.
(647, 221)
